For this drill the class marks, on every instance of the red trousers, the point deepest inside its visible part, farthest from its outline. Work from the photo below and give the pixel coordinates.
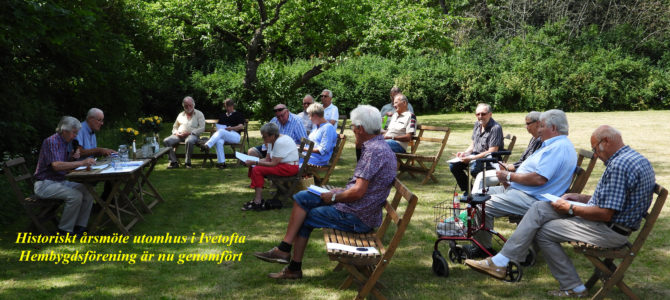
(258, 173)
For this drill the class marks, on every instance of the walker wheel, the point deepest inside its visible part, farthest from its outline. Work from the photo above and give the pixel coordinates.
(456, 255)
(530, 258)
(514, 272)
(440, 266)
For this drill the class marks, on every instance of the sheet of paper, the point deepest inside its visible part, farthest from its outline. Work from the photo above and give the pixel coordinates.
(553, 198)
(119, 169)
(353, 249)
(243, 157)
(458, 159)
(96, 167)
(317, 190)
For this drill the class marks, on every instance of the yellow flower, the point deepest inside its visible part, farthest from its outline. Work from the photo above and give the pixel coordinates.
(128, 129)
(156, 117)
(121, 129)
(137, 132)
(158, 121)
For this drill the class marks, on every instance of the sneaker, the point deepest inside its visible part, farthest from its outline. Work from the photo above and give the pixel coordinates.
(188, 165)
(274, 255)
(286, 273)
(204, 147)
(472, 251)
(251, 205)
(173, 165)
(487, 267)
(568, 293)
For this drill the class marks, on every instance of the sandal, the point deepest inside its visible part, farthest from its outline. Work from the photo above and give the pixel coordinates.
(251, 205)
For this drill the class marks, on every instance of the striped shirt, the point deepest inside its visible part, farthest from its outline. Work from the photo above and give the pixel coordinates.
(627, 187)
(54, 148)
(292, 128)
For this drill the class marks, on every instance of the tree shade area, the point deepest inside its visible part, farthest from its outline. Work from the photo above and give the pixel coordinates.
(133, 58)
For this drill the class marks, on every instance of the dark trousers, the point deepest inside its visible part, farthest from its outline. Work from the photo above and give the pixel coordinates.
(460, 170)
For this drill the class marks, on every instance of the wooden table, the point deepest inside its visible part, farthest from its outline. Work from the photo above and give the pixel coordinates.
(118, 206)
(144, 180)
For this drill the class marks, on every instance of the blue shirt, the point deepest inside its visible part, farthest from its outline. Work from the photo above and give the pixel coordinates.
(324, 138)
(86, 137)
(292, 128)
(627, 186)
(556, 161)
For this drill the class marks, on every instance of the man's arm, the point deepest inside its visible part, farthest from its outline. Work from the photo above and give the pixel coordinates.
(591, 213)
(353, 194)
(200, 118)
(527, 179)
(96, 152)
(70, 165)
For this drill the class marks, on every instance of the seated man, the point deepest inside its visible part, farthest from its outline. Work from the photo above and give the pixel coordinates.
(53, 162)
(487, 137)
(621, 199)
(402, 126)
(227, 131)
(86, 137)
(358, 208)
(549, 170)
(188, 127)
(532, 119)
(304, 116)
(281, 160)
(288, 124)
(330, 111)
(324, 137)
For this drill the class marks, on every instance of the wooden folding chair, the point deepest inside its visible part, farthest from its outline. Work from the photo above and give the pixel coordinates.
(342, 125)
(510, 147)
(581, 176)
(211, 129)
(286, 185)
(328, 169)
(366, 269)
(415, 163)
(603, 259)
(41, 212)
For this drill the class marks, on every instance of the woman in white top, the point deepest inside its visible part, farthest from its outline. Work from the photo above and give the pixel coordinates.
(281, 160)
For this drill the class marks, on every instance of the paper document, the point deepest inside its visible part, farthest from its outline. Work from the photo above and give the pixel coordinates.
(96, 167)
(317, 190)
(243, 157)
(458, 159)
(119, 169)
(353, 249)
(553, 198)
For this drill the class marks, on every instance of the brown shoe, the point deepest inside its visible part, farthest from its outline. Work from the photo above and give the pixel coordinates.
(285, 273)
(568, 294)
(487, 267)
(274, 255)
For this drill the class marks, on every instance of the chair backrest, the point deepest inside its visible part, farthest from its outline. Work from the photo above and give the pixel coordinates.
(401, 221)
(650, 218)
(442, 140)
(22, 182)
(510, 146)
(337, 150)
(343, 125)
(581, 175)
(244, 134)
(304, 142)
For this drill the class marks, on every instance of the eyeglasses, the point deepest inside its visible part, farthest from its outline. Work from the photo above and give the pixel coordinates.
(481, 114)
(306, 103)
(352, 126)
(324, 96)
(531, 122)
(278, 109)
(596, 146)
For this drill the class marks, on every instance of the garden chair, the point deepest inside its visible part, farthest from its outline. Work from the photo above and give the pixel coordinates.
(603, 259)
(366, 269)
(423, 164)
(330, 167)
(286, 185)
(510, 147)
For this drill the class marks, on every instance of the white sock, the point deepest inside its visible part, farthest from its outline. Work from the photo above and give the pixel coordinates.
(500, 260)
(579, 289)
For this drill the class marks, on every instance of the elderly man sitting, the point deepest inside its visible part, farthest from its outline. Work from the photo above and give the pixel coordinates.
(187, 128)
(54, 161)
(288, 123)
(281, 160)
(358, 208)
(86, 136)
(620, 201)
(324, 136)
(402, 126)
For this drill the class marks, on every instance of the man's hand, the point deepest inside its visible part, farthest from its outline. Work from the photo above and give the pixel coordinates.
(561, 206)
(88, 163)
(576, 197)
(106, 152)
(77, 154)
(249, 162)
(183, 135)
(502, 177)
(325, 197)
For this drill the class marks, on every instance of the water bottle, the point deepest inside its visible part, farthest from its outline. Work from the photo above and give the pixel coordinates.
(155, 145)
(123, 153)
(115, 161)
(456, 206)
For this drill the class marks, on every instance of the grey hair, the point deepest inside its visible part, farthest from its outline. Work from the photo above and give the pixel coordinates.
(188, 98)
(556, 117)
(395, 90)
(533, 116)
(93, 112)
(308, 96)
(68, 123)
(330, 94)
(402, 97)
(270, 129)
(227, 102)
(606, 131)
(369, 117)
(315, 109)
(488, 107)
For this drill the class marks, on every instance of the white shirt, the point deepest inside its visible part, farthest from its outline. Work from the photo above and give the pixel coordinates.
(285, 148)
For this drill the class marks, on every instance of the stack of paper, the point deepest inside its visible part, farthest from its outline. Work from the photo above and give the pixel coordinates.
(317, 190)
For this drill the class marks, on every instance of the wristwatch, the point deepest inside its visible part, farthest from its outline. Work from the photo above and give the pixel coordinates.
(570, 211)
(509, 176)
(332, 199)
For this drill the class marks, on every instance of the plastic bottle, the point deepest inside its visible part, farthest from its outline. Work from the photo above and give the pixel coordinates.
(456, 206)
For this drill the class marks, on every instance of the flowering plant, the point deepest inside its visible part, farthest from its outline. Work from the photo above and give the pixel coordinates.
(150, 124)
(128, 134)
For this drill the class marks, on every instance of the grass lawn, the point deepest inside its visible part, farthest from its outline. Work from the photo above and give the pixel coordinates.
(208, 200)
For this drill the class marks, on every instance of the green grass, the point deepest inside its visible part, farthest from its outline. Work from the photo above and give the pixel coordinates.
(208, 200)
